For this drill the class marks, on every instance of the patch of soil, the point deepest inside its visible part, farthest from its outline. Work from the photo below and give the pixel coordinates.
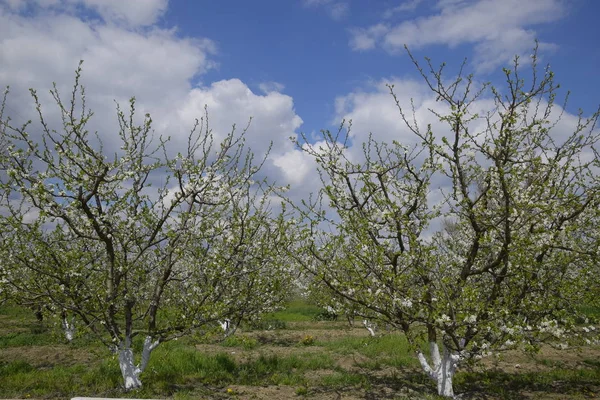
(48, 356)
(546, 359)
(322, 331)
(241, 354)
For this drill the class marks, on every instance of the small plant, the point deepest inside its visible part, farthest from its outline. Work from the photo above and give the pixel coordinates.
(302, 391)
(247, 343)
(326, 315)
(308, 340)
(267, 325)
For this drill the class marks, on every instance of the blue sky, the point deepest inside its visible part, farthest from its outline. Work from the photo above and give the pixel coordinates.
(293, 65)
(306, 46)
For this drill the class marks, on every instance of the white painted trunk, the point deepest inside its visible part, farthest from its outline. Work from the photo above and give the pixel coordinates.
(130, 371)
(370, 327)
(68, 328)
(131, 374)
(225, 325)
(228, 328)
(443, 369)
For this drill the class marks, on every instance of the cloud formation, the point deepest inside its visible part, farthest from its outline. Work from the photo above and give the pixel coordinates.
(337, 10)
(126, 55)
(405, 7)
(497, 29)
(132, 13)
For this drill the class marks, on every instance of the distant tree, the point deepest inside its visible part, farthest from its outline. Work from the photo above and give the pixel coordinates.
(502, 259)
(93, 236)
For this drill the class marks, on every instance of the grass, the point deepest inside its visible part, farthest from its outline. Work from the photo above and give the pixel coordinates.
(570, 382)
(243, 341)
(298, 311)
(25, 339)
(390, 350)
(590, 311)
(172, 366)
(304, 359)
(20, 379)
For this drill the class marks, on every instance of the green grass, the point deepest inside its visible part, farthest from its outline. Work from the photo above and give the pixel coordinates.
(344, 379)
(19, 379)
(590, 311)
(172, 366)
(287, 370)
(358, 365)
(390, 350)
(242, 341)
(26, 339)
(584, 382)
(176, 364)
(298, 311)
(19, 328)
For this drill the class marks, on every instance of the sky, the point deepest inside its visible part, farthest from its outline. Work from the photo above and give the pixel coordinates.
(294, 66)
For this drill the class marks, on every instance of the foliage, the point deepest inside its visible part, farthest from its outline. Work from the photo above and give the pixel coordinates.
(479, 237)
(148, 241)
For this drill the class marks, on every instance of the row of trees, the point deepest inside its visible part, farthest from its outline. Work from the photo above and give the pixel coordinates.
(478, 238)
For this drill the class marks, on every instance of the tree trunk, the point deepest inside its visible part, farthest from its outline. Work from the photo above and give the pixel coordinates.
(228, 328)
(68, 328)
(39, 315)
(443, 369)
(130, 371)
(370, 326)
(350, 318)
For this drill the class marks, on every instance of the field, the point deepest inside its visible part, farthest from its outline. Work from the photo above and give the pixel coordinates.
(291, 355)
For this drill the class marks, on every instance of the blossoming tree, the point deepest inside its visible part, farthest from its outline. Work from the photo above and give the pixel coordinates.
(500, 259)
(141, 243)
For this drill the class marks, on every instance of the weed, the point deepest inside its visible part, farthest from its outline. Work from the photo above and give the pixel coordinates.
(308, 340)
(245, 342)
(298, 311)
(181, 371)
(302, 391)
(267, 324)
(325, 315)
(391, 350)
(25, 339)
(344, 379)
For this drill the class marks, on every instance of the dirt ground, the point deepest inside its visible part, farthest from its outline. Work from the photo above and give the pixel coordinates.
(385, 382)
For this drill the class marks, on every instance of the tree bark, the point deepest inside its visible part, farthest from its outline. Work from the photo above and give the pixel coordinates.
(130, 371)
(370, 326)
(68, 327)
(443, 369)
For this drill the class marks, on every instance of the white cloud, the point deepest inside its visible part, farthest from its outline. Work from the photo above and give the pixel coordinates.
(337, 10)
(154, 65)
(497, 29)
(133, 12)
(373, 111)
(130, 13)
(232, 102)
(15, 5)
(267, 87)
(295, 164)
(405, 7)
(366, 39)
(158, 66)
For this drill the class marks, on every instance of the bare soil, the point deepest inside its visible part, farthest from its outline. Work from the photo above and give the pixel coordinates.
(508, 372)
